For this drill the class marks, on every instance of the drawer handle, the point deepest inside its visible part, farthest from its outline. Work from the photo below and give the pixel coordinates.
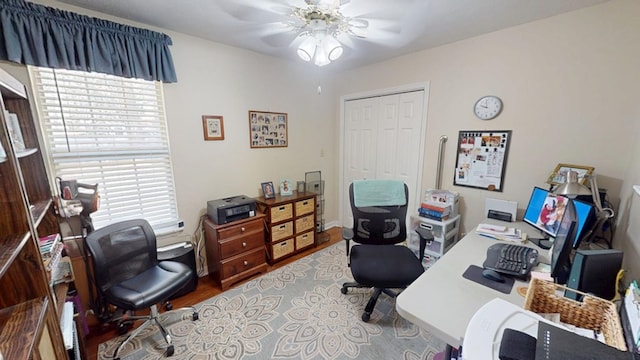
(305, 202)
(281, 208)
(242, 229)
(245, 263)
(244, 244)
(282, 227)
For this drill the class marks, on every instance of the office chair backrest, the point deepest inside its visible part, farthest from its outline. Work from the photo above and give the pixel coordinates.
(379, 224)
(121, 251)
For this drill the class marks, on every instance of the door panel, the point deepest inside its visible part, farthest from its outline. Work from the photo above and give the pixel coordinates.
(383, 140)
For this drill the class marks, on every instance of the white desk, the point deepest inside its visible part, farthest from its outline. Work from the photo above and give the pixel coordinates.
(442, 302)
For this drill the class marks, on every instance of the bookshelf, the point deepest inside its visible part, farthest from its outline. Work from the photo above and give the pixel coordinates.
(29, 318)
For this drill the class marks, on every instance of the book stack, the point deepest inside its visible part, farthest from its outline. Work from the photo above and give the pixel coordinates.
(499, 232)
(434, 210)
(51, 251)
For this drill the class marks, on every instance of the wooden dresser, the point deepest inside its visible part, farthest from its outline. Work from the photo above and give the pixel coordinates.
(235, 250)
(290, 223)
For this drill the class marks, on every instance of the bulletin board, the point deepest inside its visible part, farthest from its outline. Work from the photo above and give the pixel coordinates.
(481, 159)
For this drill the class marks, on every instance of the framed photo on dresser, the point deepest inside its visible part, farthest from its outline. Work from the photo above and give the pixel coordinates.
(268, 191)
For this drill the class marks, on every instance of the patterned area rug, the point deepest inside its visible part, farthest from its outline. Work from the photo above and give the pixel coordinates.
(295, 312)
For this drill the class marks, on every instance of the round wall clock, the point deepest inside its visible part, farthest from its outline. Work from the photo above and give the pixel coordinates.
(488, 107)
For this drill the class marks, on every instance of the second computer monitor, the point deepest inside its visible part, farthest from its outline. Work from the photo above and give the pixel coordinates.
(545, 211)
(586, 217)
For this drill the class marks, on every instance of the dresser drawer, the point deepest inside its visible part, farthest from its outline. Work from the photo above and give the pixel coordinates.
(239, 230)
(240, 263)
(281, 213)
(281, 231)
(304, 240)
(304, 223)
(305, 206)
(240, 244)
(282, 248)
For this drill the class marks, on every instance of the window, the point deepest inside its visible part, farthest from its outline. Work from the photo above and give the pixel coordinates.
(112, 131)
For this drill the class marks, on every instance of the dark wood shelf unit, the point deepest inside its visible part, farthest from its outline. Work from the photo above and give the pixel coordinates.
(20, 326)
(29, 320)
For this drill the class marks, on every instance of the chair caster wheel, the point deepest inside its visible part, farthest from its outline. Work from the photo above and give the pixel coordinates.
(195, 316)
(366, 317)
(343, 290)
(168, 306)
(124, 327)
(170, 350)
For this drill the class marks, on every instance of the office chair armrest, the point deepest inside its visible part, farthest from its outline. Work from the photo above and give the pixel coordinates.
(347, 235)
(426, 238)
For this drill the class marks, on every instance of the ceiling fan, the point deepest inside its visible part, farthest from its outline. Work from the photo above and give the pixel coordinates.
(321, 29)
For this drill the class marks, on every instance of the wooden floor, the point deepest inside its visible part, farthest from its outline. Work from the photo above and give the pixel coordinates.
(206, 289)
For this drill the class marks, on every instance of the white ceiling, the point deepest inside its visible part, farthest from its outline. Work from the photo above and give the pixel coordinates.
(396, 27)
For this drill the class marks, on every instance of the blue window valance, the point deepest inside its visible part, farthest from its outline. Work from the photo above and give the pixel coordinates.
(43, 36)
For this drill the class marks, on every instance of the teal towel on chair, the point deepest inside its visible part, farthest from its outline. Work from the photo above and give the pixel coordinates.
(378, 192)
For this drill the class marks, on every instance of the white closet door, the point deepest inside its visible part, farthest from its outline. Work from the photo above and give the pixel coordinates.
(383, 140)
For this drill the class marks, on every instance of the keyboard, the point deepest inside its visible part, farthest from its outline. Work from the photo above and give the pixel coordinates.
(511, 259)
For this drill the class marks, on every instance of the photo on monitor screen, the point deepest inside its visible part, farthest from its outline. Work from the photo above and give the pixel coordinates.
(545, 211)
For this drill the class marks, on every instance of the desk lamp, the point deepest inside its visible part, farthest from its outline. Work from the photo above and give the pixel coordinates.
(572, 188)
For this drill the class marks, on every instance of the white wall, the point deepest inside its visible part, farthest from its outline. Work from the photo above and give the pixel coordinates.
(569, 83)
(214, 79)
(570, 88)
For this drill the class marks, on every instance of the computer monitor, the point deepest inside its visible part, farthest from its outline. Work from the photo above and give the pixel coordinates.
(563, 245)
(586, 214)
(544, 211)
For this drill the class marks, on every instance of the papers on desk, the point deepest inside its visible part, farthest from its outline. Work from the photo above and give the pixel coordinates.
(499, 232)
(631, 299)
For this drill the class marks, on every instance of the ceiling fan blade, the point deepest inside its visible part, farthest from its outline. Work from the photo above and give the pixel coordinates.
(260, 12)
(279, 39)
(390, 10)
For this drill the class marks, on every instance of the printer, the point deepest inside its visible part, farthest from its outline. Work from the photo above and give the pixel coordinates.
(222, 211)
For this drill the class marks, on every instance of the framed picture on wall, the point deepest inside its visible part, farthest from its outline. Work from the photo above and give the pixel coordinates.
(267, 129)
(481, 159)
(559, 174)
(213, 127)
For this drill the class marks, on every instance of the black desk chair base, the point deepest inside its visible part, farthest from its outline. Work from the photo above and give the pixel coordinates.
(152, 319)
(371, 304)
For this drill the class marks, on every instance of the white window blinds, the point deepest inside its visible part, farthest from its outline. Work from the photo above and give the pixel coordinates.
(111, 131)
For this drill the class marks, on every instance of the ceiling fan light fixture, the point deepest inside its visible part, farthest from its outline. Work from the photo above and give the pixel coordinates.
(322, 58)
(323, 21)
(307, 48)
(332, 47)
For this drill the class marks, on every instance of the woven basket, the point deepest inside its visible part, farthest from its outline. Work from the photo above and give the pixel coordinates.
(592, 313)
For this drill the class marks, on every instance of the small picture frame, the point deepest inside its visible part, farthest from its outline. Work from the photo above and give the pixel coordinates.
(301, 186)
(268, 191)
(559, 174)
(213, 127)
(268, 129)
(286, 187)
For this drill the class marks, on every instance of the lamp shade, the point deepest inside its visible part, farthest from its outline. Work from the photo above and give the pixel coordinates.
(572, 187)
(332, 47)
(307, 48)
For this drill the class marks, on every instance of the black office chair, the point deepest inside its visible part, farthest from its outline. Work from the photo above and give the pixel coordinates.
(377, 262)
(129, 276)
